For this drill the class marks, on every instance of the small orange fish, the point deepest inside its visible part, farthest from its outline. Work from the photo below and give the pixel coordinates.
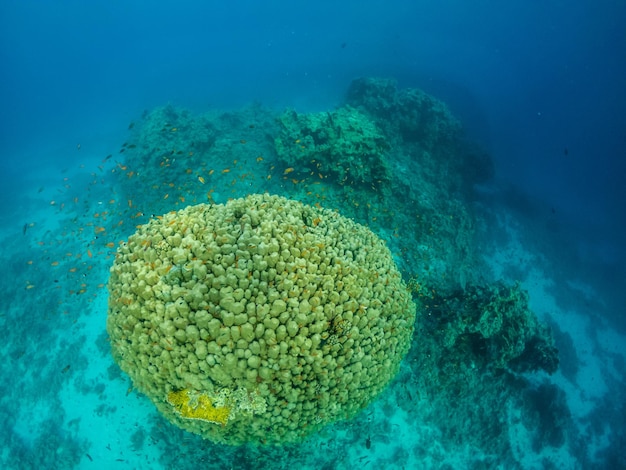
(287, 171)
(72, 270)
(89, 253)
(259, 159)
(54, 263)
(130, 203)
(226, 170)
(211, 172)
(201, 179)
(110, 245)
(189, 171)
(166, 196)
(30, 286)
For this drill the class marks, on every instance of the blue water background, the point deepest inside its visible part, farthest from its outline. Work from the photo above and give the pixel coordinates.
(539, 84)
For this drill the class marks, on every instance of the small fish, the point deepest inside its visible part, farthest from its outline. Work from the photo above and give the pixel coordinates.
(259, 159)
(368, 443)
(226, 170)
(242, 141)
(65, 369)
(24, 229)
(201, 179)
(131, 125)
(287, 171)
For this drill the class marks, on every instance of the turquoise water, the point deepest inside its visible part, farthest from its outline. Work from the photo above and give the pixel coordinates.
(91, 149)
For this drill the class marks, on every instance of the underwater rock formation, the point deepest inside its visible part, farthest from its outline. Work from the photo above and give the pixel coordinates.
(345, 143)
(492, 327)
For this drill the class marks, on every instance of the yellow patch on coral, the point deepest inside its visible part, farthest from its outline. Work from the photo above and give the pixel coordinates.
(193, 405)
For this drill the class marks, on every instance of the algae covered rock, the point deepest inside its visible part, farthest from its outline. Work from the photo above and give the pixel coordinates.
(344, 143)
(493, 327)
(410, 114)
(260, 320)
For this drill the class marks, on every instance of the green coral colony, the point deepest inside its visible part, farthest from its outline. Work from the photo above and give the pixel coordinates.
(260, 320)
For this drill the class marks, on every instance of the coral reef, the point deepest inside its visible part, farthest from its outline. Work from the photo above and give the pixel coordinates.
(491, 326)
(345, 143)
(408, 114)
(260, 320)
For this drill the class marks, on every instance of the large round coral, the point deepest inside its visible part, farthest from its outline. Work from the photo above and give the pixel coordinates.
(259, 320)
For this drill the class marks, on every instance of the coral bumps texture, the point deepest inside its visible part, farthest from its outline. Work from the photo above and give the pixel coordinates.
(260, 320)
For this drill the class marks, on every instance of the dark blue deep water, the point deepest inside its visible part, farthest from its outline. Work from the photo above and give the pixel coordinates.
(538, 87)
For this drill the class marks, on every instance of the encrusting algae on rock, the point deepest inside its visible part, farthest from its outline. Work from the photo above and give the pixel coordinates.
(260, 320)
(192, 405)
